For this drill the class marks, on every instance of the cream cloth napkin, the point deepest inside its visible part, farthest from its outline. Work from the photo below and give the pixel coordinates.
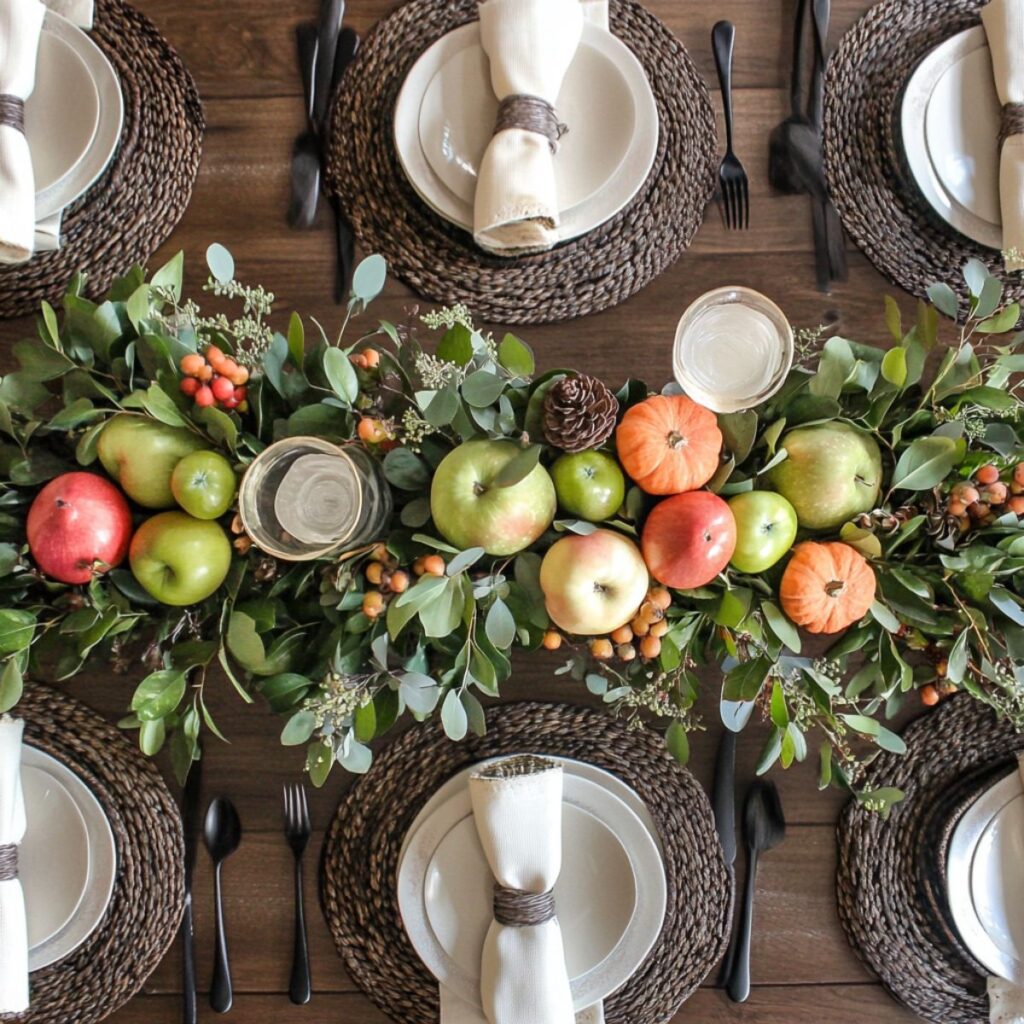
(13, 928)
(1006, 1000)
(517, 806)
(1004, 27)
(531, 44)
(20, 24)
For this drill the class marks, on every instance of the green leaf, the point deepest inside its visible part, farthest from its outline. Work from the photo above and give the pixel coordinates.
(463, 561)
(441, 615)
(158, 694)
(678, 742)
(519, 467)
(341, 375)
(151, 736)
(744, 682)
(138, 306)
(893, 320)
(369, 277)
(1007, 604)
(419, 692)
(500, 626)
(739, 430)
(406, 470)
(244, 643)
(296, 340)
(11, 685)
(357, 758)
(894, 366)
(482, 388)
(863, 540)
(319, 762)
(284, 690)
(779, 711)
(17, 628)
(956, 661)
(161, 406)
(453, 716)
(925, 463)
(781, 626)
(456, 346)
(220, 262)
(1005, 320)
(220, 426)
(298, 729)
(944, 299)
(884, 617)
(440, 408)
(168, 277)
(516, 356)
(416, 513)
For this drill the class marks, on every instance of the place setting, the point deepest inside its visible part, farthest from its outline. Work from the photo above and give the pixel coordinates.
(616, 131)
(101, 131)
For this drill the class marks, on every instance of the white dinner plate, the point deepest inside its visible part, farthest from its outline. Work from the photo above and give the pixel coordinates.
(984, 884)
(62, 113)
(107, 135)
(618, 185)
(62, 838)
(949, 127)
(444, 882)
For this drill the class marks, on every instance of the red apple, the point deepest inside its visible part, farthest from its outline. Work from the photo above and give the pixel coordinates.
(78, 524)
(688, 539)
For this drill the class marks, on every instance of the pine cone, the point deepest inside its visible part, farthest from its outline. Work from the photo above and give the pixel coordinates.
(579, 413)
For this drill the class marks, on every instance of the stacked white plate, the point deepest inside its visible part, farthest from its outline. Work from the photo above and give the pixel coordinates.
(74, 117)
(610, 895)
(985, 879)
(446, 112)
(949, 123)
(67, 861)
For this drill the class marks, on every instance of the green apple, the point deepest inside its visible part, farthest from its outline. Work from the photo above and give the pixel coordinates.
(179, 559)
(140, 454)
(832, 472)
(589, 485)
(204, 484)
(765, 529)
(470, 508)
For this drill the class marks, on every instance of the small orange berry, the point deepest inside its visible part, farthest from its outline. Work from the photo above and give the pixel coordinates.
(371, 430)
(659, 629)
(987, 474)
(626, 652)
(371, 358)
(640, 626)
(601, 649)
(433, 565)
(1018, 474)
(660, 598)
(238, 376)
(650, 647)
(942, 667)
(399, 582)
(552, 640)
(417, 566)
(1016, 504)
(214, 356)
(623, 634)
(205, 372)
(929, 695)
(956, 507)
(994, 494)
(966, 492)
(204, 397)
(192, 364)
(357, 360)
(189, 385)
(373, 603)
(375, 573)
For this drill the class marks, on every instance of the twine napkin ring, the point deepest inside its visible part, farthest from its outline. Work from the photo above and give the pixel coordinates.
(8, 862)
(1012, 122)
(516, 908)
(532, 114)
(12, 112)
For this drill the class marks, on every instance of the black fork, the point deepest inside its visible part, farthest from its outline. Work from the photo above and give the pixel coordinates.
(297, 830)
(731, 176)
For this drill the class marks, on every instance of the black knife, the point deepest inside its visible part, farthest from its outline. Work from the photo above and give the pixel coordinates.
(190, 824)
(328, 28)
(348, 46)
(723, 803)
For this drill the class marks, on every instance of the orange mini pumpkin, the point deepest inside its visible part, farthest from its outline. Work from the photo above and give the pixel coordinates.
(827, 586)
(669, 444)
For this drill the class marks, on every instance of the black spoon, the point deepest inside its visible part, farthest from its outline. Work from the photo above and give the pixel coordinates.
(791, 139)
(222, 832)
(763, 828)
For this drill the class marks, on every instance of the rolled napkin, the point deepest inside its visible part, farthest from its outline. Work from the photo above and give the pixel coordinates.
(1004, 27)
(13, 927)
(530, 44)
(517, 806)
(20, 24)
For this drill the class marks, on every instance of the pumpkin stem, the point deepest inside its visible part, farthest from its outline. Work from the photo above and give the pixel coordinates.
(676, 440)
(834, 588)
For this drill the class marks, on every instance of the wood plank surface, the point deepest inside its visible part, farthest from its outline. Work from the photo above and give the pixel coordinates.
(242, 55)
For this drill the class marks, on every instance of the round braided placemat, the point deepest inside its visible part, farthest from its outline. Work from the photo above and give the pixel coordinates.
(591, 273)
(146, 906)
(136, 203)
(360, 857)
(877, 200)
(890, 880)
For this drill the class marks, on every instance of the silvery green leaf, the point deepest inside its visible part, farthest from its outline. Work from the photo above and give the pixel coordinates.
(678, 742)
(406, 470)
(441, 614)
(419, 692)
(481, 388)
(416, 513)
(463, 560)
(369, 277)
(220, 262)
(1007, 604)
(356, 758)
(580, 526)
(11, 685)
(975, 274)
(454, 717)
(944, 299)
(341, 374)
(379, 649)
(151, 736)
(989, 299)
(596, 683)
(475, 716)
(298, 729)
(884, 617)
(500, 626)
(519, 467)
(781, 626)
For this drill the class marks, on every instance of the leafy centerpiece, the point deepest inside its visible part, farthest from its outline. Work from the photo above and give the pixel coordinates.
(873, 499)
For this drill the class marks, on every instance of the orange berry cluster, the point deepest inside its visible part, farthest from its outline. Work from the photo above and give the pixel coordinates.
(373, 430)
(368, 359)
(986, 496)
(932, 693)
(384, 575)
(640, 637)
(214, 378)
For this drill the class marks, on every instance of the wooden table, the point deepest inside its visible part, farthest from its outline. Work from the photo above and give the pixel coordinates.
(242, 55)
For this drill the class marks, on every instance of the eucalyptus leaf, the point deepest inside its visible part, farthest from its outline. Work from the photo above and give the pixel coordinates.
(453, 716)
(516, 356)
(341, 375)
(925, 463)
(369, 277)
(221, 263)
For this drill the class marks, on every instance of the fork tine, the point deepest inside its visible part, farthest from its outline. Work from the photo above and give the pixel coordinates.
(730, 205)
(724, 185)
(734, 202)
(287, 807)
(746, 202)
(305, 807)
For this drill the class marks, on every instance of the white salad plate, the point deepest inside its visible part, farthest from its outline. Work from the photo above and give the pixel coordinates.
(80, 173)
(445, 890)
(949, 124)
(985, 879)
(67, 861)
(62, 113)
(442, 126)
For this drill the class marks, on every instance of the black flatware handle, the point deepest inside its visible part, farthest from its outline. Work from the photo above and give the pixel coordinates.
(738, 985)
(300, 988)
(723, 40)
(723, 797)
(221, 994)
(190, 1009)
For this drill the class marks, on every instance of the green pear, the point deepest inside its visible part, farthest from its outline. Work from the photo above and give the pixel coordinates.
(832, 473)
(140, 454)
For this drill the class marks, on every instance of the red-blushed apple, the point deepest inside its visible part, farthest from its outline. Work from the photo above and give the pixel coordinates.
(78, 525)
(593, 583)
(472, 509)
(180, 559)
(688, 539)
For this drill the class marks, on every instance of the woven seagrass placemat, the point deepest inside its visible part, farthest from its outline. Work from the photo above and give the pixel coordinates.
(146, 906)
(890, 881)
(879, 204)
(360, 858)
(138, 200)
(591, 273)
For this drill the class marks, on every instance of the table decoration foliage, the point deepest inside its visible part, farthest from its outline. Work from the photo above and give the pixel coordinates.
(516, 523)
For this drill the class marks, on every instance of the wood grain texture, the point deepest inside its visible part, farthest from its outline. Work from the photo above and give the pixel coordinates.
(242, 55)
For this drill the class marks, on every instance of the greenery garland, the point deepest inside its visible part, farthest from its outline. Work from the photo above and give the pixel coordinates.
(345, 646)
